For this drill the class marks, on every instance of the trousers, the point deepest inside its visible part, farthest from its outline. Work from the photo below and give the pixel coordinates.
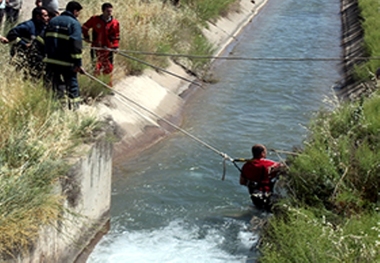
(63, 81)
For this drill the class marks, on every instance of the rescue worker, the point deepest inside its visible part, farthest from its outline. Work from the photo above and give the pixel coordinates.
(258, 175)
(63, 42)
(28, 49)
(105, 34)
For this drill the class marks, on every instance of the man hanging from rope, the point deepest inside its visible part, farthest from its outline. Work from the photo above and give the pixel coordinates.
(105, 35)
(259, 176)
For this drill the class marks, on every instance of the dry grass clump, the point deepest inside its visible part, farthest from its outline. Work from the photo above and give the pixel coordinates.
(35, 138)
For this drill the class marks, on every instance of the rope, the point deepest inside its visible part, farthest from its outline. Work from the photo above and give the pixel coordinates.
(242, 58)
(224, 155)
(150, 65)
(281, 159)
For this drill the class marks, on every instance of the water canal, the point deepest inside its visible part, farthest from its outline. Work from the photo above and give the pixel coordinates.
(169, 204)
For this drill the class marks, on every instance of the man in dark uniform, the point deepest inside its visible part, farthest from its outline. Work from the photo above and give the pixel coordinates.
(63, 42)
(28, 48)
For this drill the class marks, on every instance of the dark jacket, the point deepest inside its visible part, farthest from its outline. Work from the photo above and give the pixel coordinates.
(63, 41)
(27, 32)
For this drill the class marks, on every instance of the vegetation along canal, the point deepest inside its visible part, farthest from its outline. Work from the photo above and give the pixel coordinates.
(170, 204)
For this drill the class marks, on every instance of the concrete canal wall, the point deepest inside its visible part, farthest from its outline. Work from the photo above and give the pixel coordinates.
(87, 188)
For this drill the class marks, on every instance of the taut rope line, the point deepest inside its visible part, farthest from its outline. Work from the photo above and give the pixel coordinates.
(150, 65)
(243, 58)
(224, 155)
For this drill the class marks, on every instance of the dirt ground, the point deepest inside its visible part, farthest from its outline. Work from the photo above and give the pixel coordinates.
(28, 5)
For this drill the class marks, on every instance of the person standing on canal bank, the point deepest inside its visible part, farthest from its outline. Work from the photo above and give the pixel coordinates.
(28, 50)
(63, 42)
(105, 36)
(258, 175)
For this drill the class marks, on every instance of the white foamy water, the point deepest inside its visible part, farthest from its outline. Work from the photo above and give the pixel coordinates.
(176, 243)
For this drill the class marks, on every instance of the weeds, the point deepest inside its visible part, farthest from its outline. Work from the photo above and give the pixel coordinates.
(304, 236)
(369, 10)
(35, 138)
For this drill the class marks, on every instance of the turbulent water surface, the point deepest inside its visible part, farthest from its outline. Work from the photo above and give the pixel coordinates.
(169, 204)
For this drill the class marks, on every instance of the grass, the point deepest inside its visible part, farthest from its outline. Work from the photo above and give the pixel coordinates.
(341, 159)
(209, 10)
(304, 236)
(369, 12)
(35, 138)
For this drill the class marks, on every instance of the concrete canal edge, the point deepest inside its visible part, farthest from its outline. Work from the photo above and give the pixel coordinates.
(87, 186)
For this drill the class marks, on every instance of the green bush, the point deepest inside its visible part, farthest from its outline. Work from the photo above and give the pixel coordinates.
(303, 236)
(369, 10)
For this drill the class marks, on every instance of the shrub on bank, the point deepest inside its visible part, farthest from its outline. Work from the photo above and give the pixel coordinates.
(306, 236)
(369, 10)
(340, 165)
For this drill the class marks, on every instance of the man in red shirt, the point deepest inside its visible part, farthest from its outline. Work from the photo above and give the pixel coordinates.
(105, 34)
(257, 175)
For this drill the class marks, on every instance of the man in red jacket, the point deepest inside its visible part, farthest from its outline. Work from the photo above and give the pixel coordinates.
(105, 35)
(257, 175)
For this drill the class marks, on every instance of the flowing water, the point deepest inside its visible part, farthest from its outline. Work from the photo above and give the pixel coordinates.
(170, 204)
